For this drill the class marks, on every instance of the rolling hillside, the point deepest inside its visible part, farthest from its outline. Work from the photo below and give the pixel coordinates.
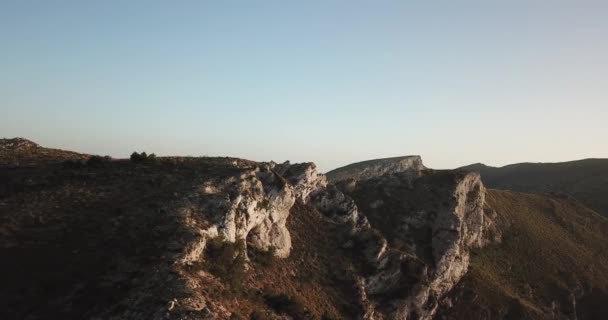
(552, 263)
(585, 180)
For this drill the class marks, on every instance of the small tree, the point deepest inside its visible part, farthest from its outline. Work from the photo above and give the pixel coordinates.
(136, 157)
(96, 161)
(143, 157)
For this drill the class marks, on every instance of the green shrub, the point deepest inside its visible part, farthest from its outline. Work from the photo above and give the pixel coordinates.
(143, 157)
(136, 157)
(97, 161)
(228, 261)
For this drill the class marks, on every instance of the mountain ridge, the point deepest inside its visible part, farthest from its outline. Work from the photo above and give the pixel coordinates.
(227, 238)
(585, 180)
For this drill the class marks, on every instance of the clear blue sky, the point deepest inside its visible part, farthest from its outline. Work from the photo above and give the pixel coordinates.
(326, 81)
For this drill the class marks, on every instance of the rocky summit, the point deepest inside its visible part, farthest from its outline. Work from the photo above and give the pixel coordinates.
(227, 238)
(373, 168)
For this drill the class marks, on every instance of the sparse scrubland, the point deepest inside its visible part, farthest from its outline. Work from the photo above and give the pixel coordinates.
(151, 237)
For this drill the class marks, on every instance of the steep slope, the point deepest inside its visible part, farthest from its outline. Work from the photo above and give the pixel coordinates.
(542, 256)
(429, 224)
(585, 180)
(552, 263)
(160, 240)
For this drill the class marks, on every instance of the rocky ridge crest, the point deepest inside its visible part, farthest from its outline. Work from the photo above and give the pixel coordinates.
(374, 168)
(410, 264)
(397, 241)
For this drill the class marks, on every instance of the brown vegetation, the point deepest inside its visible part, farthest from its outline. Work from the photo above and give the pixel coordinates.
(100, 237)
(554, 250)
(584, 180)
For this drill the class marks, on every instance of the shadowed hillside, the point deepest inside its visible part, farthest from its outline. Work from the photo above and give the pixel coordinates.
(585, 180)
(553, 260)
(22, 152)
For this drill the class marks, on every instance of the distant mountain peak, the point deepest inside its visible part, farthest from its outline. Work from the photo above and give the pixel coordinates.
(475, 167)
(377, 167)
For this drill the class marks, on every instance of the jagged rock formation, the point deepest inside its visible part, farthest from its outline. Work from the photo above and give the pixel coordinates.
(398, 271)
(140, 228)
(254, 206)
(417, 240)
(374, 168)
(225, 238)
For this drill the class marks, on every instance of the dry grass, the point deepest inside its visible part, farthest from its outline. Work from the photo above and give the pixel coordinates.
(553, 247)
(21, 152)
(585, 180)
(312, 283)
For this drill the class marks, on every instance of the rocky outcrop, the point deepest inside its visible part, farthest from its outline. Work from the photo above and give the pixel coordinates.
(303, 177)
(253, 206)
(248, 204)
(405, 232)
(17, 143)
(411, 234)
(375, 168)
(194, 238)
(415, 236)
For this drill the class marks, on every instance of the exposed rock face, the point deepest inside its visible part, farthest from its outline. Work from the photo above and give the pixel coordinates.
(254, 206)
(302, 176)
(375, 168)
(413, 233)
(17, 143)
(399, 236)
(417, 239)
(189, 238)
(340, 208)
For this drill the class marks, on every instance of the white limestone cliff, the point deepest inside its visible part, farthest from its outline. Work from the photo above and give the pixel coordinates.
(406, 281)
(408, 284)
(375, 168)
